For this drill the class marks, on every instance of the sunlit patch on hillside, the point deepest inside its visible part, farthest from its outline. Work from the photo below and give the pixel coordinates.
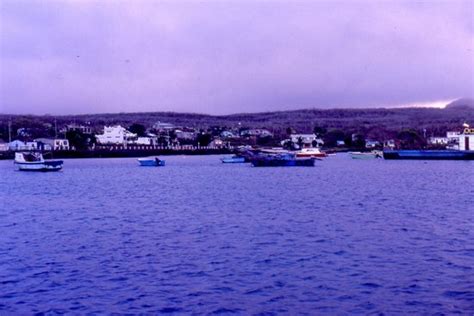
(441, 104)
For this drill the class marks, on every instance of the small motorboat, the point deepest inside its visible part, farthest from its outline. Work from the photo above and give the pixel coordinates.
(151, 162)
(34, 161)
(310, 153)
(366, 155)
(233, 159)
(284, 160)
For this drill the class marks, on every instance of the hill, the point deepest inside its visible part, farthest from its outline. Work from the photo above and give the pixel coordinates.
(365, 121)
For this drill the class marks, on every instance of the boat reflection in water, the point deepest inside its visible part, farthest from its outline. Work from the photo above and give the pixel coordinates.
(34, 161)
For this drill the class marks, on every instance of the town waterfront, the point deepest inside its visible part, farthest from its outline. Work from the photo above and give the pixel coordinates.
(199, 236)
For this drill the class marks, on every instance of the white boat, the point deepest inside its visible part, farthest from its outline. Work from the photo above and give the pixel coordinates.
(366, 155)
(151, 162)
(310, 153)
(33, 161)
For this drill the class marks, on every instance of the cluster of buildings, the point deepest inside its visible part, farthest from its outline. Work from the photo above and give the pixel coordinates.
(160, 134)
(168, 135)
(36, 144)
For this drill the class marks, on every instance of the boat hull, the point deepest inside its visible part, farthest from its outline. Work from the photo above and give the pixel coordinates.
(304, 155)
(428, 155)
(151, 163)
(44, 166)
(233, 160)
(364, 156)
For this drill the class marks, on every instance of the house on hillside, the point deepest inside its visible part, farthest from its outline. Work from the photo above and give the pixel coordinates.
(257, 132)
(228, 134)
(52, 144)
(3, 145)
(371, 144)
(438, 141)
(185, 135)
(216, 143)
(307, 140)
(340, 143)
(117, 135)
(84, 129)
(163, 127)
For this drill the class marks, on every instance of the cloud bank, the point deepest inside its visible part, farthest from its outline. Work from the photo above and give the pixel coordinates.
(235, 56)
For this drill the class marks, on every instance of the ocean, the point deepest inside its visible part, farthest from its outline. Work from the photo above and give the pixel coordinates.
(200, 237)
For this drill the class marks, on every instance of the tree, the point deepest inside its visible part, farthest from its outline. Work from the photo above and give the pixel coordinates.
(358, 142)
(319, 131)
(331, 137)
(138, 129)
(410, 139)
(78, 140)
(203, 139)
(300, 142)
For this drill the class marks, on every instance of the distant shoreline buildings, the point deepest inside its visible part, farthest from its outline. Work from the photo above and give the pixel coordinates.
(80, 137)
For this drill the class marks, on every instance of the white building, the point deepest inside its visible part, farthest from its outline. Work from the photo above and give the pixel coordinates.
(258, 132)
(163, 127)
(466, 139)
(389, 144)
(438, 140)
(3, 146)
(145, 141)
(115, 135)
(20, 145)
(308, 140)
(79, 128)
(185, 135)
(228, 134)
(371, 143)
(52, 144)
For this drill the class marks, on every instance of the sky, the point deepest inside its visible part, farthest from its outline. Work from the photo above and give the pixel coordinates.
(222, 57)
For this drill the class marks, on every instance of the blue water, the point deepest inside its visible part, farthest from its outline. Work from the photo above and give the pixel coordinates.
(201, 237)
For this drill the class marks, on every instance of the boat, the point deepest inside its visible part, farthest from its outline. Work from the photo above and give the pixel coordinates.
(151, 162)
(281, 160)
(310, 153)
(366, 155)
(464, 152)
(429, 154)
(233, 159)
(34, 161)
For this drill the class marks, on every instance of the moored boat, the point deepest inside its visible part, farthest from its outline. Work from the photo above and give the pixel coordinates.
(34, 161)
(151, 162)
(428, 154)
(366, 155)
(233, 159)
(310, 153)
(284, 160)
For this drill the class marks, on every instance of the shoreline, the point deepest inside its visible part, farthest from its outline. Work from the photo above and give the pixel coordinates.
(69, 154)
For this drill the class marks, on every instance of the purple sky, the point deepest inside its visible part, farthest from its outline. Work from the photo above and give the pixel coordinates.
(219, 57)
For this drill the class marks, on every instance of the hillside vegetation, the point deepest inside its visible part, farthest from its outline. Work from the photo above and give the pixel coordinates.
(364, 121)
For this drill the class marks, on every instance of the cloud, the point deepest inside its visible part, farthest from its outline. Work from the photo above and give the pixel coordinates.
(227, 57)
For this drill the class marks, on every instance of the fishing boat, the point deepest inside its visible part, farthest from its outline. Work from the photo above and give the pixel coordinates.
(34, 161)
(233, 159)
(151, 162)
(282, 160)
(310, 153)
(366, 155)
